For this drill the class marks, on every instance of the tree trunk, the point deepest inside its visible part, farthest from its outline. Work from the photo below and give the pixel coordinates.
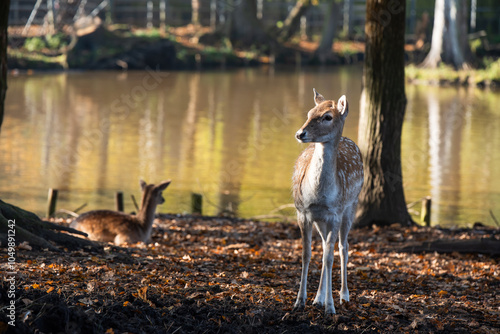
(195, 12)
(382, 108)
(434, 57)
(244, 29)
(449, 35)
(292, 22)
(4, 18)
(324, 50)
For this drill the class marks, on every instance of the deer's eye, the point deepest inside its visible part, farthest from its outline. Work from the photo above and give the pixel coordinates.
(328, 118)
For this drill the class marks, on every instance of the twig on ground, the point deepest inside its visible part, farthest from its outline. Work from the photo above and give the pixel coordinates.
(80, 208)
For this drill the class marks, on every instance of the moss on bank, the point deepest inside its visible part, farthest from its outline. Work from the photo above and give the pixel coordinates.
(446, 75)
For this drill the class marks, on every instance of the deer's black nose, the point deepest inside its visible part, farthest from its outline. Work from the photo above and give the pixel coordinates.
(300, 135)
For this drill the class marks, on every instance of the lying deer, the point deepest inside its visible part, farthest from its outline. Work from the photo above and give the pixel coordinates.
(326, 183)
(118, 227)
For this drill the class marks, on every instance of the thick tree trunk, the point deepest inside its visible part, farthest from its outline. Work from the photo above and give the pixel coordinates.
(449, 35)
(292, 22)
(244, 28)
(382, 109)
(4, 18)
(324, 50)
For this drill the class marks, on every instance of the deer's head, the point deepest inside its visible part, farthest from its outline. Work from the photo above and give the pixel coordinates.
(325, 121)
(153, 192)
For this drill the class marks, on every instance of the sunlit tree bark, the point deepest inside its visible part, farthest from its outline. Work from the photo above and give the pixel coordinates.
(382, 110)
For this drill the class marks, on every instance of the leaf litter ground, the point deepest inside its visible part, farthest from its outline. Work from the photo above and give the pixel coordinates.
(217, 275)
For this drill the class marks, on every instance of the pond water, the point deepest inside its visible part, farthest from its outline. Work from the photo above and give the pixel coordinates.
(230, 137)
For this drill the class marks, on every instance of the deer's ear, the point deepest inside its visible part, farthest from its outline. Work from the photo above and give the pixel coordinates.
(143, 184)
(343, 106)
(163, 185)
(318, 98)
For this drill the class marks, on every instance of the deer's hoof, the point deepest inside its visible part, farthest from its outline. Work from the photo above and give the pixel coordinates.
(299, 305)
(330, 310)
(318, 304)
(298, 308)
(344, 297)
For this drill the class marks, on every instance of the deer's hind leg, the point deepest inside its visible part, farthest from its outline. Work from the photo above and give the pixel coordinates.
(347, 219)
(122, 239)
(306, 232)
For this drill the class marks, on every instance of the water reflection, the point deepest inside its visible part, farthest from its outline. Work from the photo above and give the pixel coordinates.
(445, 132)
(444, 148)
(229, 136)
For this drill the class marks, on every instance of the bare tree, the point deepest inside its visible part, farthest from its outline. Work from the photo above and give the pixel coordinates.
(382, 109)
(449, 35)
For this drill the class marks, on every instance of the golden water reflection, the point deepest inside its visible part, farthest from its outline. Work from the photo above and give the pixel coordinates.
(229, 136)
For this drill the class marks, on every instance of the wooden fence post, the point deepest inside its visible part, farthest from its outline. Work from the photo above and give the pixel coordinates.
(196, 203)
(119, 201)
(425, 216)
(52, 198)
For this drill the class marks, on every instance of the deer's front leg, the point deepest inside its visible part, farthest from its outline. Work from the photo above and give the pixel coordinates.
(306, 232)
(324, 296)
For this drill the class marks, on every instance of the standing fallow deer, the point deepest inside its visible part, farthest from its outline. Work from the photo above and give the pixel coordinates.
(120, 228)
(326, 183)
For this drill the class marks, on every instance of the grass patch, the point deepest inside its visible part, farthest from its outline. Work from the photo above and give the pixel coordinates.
(33, 58)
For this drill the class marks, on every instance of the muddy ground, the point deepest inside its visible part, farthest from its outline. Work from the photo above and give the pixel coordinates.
(216, 275)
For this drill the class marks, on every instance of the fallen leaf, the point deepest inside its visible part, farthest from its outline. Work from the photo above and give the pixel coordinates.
(442, 293)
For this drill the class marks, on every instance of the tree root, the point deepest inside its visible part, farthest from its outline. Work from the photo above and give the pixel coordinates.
(38, 233)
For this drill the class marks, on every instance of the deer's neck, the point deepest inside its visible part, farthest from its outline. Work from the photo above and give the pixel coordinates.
(147, 213)
(323, 165)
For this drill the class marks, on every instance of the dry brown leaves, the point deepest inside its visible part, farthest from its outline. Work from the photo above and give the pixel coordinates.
(218, 275)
